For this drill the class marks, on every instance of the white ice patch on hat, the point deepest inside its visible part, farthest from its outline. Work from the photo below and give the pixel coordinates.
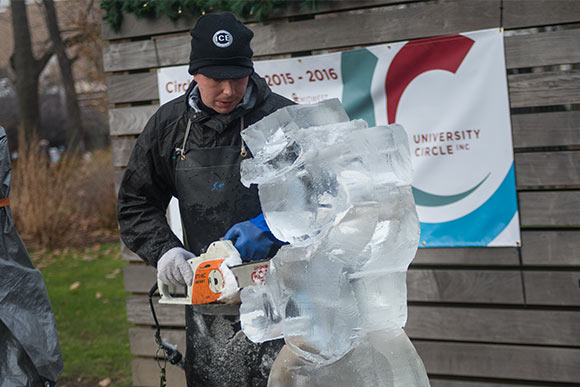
(223, 39)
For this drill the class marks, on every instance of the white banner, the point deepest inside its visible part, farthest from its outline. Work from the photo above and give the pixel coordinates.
(450, 94)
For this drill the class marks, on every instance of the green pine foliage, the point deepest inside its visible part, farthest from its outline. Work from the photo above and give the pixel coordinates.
(174, 9)
(113, 15)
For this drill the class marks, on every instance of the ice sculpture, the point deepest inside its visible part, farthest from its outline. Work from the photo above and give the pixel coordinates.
(339, 192)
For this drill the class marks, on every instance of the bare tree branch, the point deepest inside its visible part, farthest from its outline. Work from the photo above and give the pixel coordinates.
(43, 60)
(75, 133)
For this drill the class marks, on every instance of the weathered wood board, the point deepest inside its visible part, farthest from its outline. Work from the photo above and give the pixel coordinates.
(493, 324)
(541, 49)
(550, 209)
(555, 129)
(424, 285)
(130, 120)
(544, 89)
(525, 90)
(133, 26)
(132, 87)
(552, 287)
(551, 248)
(533, 169)
(506, 325)
(548, 169)
(438, 381)
(143, 340)
(498, 324)
(519, 362)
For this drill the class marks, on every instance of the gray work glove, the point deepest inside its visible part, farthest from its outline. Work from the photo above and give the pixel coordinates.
(173, 269)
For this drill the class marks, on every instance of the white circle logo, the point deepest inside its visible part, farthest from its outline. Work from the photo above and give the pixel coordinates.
(223, 39)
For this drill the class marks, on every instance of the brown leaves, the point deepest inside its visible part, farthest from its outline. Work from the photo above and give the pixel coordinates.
(43, 258)
(113, 274)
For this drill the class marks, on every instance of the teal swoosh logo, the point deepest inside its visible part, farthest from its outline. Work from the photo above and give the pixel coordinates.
(479, 227)
(426, 199)
(357, 68)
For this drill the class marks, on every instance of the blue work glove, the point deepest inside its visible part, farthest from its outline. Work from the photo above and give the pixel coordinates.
(253, 239)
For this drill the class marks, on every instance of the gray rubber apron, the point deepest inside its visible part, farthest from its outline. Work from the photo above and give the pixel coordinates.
(211, 200)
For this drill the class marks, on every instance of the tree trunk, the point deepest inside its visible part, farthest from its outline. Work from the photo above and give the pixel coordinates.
(76, 132)
(26, 72)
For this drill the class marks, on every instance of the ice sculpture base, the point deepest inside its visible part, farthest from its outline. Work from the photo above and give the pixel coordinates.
(381, 359)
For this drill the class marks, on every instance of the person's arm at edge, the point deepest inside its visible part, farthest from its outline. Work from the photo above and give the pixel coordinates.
(143, 198)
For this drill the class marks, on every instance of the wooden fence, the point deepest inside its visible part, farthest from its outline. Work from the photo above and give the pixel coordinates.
(479, 317)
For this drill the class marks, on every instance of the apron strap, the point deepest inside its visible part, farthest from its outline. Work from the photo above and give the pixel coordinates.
(243, 151)
(187, 129)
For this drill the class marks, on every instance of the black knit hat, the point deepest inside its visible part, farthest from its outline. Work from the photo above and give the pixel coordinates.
(220, 47)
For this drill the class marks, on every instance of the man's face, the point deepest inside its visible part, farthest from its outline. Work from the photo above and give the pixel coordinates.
(221, 95)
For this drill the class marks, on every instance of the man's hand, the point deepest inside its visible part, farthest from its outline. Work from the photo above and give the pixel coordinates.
(253, 239)
(173, 269)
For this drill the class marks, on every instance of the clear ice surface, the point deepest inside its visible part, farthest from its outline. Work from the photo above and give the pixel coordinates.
(339, 192)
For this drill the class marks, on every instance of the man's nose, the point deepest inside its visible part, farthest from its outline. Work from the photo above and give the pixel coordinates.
(227, 87)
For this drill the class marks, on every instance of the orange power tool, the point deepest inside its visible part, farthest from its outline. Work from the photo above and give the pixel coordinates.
(211, 278)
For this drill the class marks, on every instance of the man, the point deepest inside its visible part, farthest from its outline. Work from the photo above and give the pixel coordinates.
(191, 149)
